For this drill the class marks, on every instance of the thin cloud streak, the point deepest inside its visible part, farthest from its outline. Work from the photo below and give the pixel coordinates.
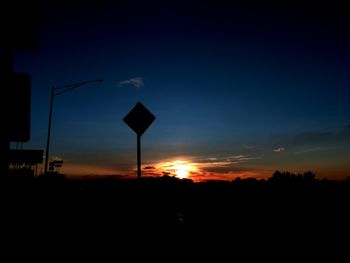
(137, 82)
(317, 149)
(279, 149)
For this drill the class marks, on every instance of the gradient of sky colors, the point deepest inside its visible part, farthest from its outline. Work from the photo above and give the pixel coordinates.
(239, 89)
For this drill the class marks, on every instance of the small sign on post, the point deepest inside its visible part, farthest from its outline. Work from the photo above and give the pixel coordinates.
(139, 119)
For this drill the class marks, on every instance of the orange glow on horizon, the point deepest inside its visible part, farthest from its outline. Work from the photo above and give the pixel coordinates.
(187, 168)
(178, 168)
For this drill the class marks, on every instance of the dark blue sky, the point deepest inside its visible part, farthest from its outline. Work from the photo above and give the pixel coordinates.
(237, 89)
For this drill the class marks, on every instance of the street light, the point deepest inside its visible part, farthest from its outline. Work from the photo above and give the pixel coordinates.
(55, 91)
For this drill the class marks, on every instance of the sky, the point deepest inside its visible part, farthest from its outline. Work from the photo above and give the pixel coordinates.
(238, 90)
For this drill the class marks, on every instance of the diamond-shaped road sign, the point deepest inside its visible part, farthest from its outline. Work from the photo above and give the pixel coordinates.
(139, 119)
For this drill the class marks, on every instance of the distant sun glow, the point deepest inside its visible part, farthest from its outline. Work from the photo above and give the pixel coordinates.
(178, 168)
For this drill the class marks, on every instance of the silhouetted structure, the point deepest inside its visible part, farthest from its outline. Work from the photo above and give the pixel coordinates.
(250, 212)
(19, 32)
(22, 161)
(139, 119)
(55, 91)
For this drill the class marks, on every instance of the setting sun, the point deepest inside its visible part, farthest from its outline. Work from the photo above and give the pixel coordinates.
(180, 169)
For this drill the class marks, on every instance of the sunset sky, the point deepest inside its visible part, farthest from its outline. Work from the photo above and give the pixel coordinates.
(237, 89)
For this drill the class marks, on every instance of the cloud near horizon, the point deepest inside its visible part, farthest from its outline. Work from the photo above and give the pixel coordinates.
(137, 82)
(149, 168)
(224, 168)
(55, 158)
(279, 149)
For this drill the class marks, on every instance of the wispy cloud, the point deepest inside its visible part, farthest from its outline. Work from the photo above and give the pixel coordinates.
(202, 165)
(279, 149)
(219, 163)
(316, 149)
(136, 82)
(222, 164)
(241, 158)
(56, 158)
(149, 168)
(224, 161)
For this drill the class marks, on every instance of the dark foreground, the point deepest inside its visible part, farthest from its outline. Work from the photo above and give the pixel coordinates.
(247, 212)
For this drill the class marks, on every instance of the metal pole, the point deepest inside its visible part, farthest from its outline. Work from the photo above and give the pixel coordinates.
(54, 92)
(49, 132)
(138, 156)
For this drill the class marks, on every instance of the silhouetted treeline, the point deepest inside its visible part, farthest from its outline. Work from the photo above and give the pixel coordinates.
(283, 207)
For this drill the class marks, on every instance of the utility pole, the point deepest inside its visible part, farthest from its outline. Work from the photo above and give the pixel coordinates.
(55, 91)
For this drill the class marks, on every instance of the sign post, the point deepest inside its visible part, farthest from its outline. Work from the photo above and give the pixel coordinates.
(138, 156)
(139, 119)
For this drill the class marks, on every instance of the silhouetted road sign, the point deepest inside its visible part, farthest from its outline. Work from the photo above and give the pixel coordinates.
(17, 123)
(139, 118)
